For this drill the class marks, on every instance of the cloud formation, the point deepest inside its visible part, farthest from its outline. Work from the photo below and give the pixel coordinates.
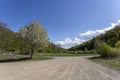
(97, 32)
(67, 42)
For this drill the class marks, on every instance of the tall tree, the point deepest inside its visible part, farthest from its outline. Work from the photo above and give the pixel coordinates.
(7, 38)
(36, 35)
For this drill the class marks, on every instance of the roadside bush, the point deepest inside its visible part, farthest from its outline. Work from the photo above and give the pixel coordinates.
(117, 45)
(106, 51)
(116, 52)
(92, 52)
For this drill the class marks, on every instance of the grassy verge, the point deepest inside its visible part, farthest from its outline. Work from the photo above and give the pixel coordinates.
(64, 54)
(36, 56)
(7, 57)
(14, 58)
(111, 63)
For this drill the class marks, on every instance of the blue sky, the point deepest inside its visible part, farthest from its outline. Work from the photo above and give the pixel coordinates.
(65, 20)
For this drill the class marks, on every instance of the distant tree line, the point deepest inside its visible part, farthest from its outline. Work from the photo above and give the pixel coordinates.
(29, 39)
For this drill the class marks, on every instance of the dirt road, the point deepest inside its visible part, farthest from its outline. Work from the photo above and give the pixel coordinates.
(61, 68)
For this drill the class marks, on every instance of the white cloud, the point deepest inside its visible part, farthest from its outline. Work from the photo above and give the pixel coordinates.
(88, 33)
(97, 32)
(67, 43)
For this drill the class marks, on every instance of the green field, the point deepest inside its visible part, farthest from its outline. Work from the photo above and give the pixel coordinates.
(44, 56)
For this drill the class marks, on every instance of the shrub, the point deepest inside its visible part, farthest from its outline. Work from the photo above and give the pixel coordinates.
(92, 52)
(117, 52)
(106, 51)
(117, 45)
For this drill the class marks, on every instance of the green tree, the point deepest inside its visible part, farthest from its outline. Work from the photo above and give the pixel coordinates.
(36, 35)
(7, 38)
(53, 48)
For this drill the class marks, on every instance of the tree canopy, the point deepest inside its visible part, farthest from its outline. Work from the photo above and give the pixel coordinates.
(36, 34)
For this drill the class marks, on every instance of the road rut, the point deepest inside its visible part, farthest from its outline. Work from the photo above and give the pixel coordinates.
(60, 68)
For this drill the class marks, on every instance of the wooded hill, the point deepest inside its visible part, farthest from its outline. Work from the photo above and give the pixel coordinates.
(110, 37)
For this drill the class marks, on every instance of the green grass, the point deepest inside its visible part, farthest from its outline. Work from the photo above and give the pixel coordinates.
(7, 57)
(14, 58)
(65, 54)
(111, 63)
(36, 56)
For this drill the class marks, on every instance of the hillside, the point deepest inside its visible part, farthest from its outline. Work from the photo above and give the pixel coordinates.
(110, 37)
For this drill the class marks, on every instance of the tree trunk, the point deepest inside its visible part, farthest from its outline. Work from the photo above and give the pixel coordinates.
(32, 51)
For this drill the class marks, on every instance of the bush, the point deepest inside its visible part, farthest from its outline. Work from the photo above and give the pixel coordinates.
(92, 52)
(117, 45)
(116, 52)
(106, 51)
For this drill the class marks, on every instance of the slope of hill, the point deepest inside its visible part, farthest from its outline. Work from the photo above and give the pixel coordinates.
(110, 37)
